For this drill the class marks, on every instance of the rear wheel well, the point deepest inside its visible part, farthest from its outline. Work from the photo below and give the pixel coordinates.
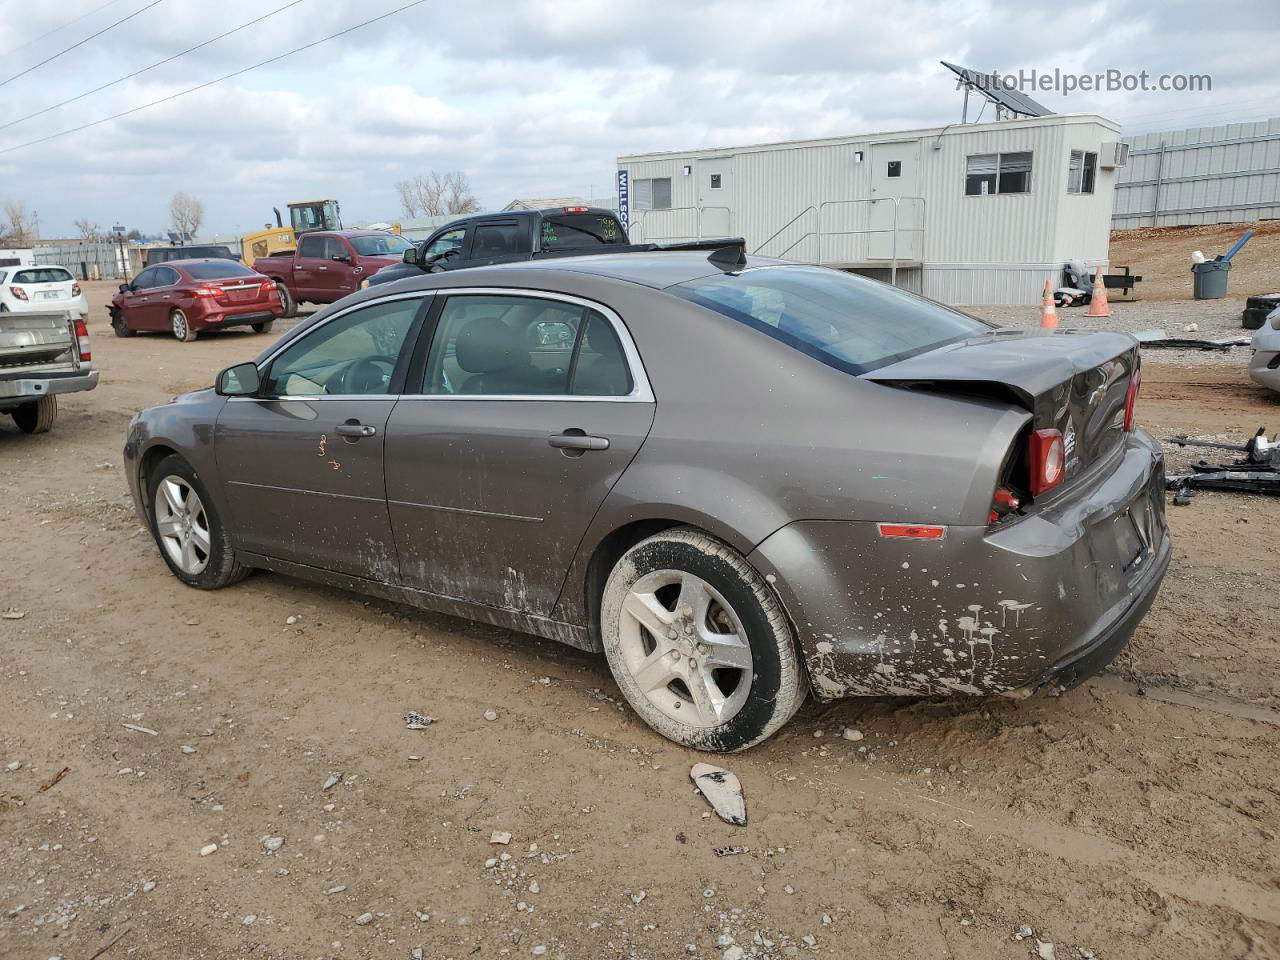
(606, 556)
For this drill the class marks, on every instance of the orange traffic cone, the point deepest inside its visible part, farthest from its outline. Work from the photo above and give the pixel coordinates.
(1048, 309)
(1098, 306)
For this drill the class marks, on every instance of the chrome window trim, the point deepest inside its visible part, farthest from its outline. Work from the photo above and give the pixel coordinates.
(270, 358)
(641, 389)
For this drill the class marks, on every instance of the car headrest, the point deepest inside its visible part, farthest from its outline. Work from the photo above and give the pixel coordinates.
(487, 345)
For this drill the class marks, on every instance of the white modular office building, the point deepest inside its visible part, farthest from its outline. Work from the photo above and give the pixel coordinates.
(977, 213)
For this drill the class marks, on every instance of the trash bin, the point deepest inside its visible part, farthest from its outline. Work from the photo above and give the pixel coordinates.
(1210, 279)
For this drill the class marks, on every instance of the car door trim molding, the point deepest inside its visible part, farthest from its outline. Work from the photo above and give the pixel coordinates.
(303, 491)
(474, 513)
(641, 389)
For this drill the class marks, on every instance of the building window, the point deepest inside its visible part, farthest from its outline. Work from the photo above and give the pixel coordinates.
(654, 194)
(715, 181)
(894, 169)
(990, 173)
(1082, 172)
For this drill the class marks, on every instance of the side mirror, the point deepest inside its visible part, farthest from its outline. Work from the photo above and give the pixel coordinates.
(126, 287)
(411, 256)
(341, 258)
(242, 380)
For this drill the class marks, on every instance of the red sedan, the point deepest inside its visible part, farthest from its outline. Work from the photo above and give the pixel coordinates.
(186, 297)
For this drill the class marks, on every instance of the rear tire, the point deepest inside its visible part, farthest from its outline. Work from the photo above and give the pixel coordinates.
(286, 300)
(120, 325)
(37, 417)
(182, 327)
(179, 501)
(729, 677)
(263, 327)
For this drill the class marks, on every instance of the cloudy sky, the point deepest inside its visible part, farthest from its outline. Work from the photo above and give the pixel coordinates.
(537, 97)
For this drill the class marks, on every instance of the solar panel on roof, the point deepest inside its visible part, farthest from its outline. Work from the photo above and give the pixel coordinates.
(986, 84)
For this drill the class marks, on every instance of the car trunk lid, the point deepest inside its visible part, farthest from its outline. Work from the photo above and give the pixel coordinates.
(1072, 381)
(238, 290)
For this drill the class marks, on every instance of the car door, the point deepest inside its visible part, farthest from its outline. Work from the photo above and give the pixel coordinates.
(338, 277)
(161, 298)
(527, 409)
(302, 462)
(309, 266)
(134, 301)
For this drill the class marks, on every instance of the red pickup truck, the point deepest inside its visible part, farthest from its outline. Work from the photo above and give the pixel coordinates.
(330, 264)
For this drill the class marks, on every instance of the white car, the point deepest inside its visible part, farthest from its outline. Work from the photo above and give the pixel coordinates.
(40, 289)
(1264, 366)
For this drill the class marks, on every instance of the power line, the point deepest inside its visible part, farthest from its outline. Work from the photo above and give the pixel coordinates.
(80, 43)
(159, 63)
(210, 83)
(69, 23)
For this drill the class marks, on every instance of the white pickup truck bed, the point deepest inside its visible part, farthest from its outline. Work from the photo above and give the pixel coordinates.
(41, 355)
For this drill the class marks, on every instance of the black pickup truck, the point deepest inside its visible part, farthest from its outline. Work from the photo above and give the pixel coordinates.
(508, 237)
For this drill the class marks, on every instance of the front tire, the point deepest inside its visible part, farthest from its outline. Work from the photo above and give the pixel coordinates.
(264, 327)
(182, 326)
(120, 325)
(698, 642)
(37, 417)
(188, 529)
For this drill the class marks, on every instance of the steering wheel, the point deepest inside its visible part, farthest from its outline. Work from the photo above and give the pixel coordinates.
(368, 375)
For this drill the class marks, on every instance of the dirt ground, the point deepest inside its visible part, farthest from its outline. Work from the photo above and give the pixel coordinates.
(1162, 257)
(1134, 817)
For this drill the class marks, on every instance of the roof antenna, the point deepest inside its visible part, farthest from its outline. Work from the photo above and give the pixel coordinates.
(731, 256)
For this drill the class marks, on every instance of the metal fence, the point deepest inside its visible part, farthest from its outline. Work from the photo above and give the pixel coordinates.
(93, 261)
(1226, 174)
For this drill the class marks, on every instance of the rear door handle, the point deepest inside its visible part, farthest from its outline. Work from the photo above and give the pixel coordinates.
(355, 430)
(577, 441)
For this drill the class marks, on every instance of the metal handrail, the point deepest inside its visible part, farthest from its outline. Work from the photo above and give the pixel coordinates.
(803, 238)
(702, 210)
(698, 210)
(892, 230)
(644, 213)
(781, 228)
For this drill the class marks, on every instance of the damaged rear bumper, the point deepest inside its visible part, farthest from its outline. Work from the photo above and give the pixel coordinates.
(1055, 596)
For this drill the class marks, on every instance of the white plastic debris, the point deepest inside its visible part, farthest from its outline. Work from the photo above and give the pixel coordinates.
(332, 781)
(500, 836)
(208, 848)
(723, 791)
(491, 715)
(364, 919)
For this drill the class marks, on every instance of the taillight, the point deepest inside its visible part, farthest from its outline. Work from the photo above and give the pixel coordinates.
(82, 335)
(1048, 460)
(575, 209)
(1131, 399)
(18, 293)
(1004, 503)
(75, 289)
(205, 292)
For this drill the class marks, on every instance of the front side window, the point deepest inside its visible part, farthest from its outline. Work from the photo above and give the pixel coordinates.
(503, 345)
(354, 355)
(145, 280)
(312, 247)
(849, 322)
(496, 240)
(1082, 171)
(987, 174)
(335, 249)
(448, 242)
(652, 194)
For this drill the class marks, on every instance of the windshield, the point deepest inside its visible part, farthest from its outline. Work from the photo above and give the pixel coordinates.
(217, 270)
(849, 322)
(571, 230)
(380, 246)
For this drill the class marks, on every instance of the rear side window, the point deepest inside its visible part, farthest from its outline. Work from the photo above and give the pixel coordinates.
(572, 230)
(42, 275)
(218, 270)
(496, 240)
(165, 277)
(849, 322)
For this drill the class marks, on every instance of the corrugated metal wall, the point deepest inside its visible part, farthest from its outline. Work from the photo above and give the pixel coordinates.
(1226, 174)
(92, 261)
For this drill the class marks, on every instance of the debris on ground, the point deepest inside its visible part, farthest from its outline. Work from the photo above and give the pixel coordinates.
(332, 781)
(722, 790)
(272, 844)
(364, 919)
(13, 614)
(1045, 951)
(208, 848)
(500, 836)
(1257, 472)
(57, 777)
(137, 729)
(728, 851)
(491, 715)
(850, 733)
(417, 721)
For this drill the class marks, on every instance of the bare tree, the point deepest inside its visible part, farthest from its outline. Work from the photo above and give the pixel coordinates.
(89, 232)
(19, 230)
(436, 194)
(187, 214)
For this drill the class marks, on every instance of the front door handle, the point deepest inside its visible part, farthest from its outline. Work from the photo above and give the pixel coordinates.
(577, 441)
(355, 430)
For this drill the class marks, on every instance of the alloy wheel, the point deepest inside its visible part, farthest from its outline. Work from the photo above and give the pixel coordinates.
(179, 321)
(182, 525)
(685, 648)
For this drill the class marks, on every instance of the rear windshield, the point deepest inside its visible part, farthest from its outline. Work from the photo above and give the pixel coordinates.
(380, 246)
(849, 322)
(42, 275)
(217, 270)
(565, 231)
